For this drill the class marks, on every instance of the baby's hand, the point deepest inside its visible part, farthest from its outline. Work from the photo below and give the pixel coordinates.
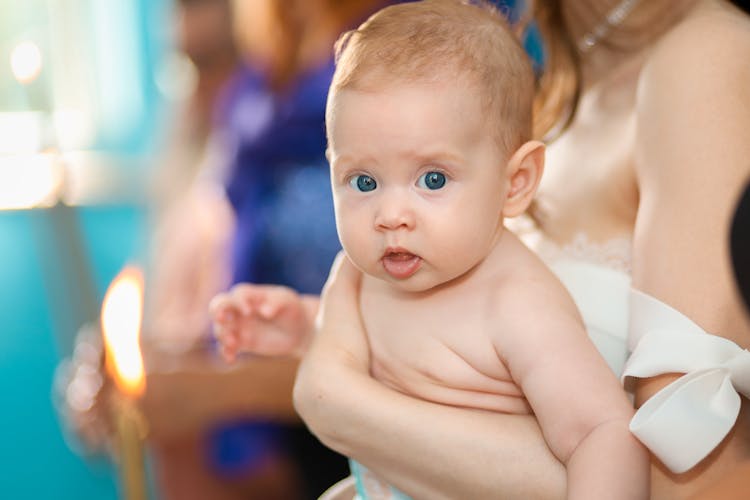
(261, 319)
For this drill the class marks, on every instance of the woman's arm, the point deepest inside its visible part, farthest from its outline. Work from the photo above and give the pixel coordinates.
(424, 449)
(692, 157)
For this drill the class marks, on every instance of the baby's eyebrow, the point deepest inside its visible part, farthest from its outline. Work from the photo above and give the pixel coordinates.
(341, 166)
(334, 161)
(437, 155)
(347, 160)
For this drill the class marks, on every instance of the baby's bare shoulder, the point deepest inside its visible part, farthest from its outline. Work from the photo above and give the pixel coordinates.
(532, 298)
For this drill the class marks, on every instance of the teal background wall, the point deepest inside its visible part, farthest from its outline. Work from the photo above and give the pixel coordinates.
(118, 48)
(36, 462)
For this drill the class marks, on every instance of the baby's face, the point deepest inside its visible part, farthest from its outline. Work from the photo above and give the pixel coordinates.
(418, 181)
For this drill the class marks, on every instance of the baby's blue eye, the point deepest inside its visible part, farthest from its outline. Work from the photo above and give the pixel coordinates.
(363, 183)
(431, 180)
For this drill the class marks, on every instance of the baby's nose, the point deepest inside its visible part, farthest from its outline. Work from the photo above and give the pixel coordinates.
(395, 212)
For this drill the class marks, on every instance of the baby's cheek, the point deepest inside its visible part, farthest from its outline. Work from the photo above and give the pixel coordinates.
(469, 244)
(355, 245)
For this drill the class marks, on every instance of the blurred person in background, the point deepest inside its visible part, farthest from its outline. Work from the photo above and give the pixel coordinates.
(191, 222)
(190, 229)
(204, 57)
(242, 194)
(271, 141)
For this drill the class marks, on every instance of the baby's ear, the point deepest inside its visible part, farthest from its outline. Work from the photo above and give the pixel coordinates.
(524, 172)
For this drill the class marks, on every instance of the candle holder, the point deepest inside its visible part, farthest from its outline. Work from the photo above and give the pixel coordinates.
(122, 312)
(130, 432)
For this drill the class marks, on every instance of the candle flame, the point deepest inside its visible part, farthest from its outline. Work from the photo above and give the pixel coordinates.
(121, 316)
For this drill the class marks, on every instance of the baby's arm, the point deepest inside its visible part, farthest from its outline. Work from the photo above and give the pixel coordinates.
(263, 319)
(580, 405)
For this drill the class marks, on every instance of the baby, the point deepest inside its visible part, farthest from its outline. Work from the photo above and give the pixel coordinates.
(429, 123)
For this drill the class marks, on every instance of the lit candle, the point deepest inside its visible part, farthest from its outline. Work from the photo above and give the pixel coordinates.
(121, 316)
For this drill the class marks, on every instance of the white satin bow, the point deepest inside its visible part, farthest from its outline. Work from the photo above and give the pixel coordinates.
(687, 419)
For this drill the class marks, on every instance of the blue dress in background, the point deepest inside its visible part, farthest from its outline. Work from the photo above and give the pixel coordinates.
(278, 181)
(278, 184)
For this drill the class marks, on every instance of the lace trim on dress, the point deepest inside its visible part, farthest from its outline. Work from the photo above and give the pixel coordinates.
(615, 253)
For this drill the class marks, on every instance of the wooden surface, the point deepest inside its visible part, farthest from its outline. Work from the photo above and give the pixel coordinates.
(187, 393)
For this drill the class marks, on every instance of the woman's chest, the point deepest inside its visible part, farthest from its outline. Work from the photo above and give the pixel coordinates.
(589, 184)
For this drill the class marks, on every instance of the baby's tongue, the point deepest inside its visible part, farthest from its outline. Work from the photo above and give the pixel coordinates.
(401, 265)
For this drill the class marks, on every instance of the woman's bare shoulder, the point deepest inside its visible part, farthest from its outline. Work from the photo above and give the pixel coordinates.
(712, 35)
(694, 92)
(691, 151)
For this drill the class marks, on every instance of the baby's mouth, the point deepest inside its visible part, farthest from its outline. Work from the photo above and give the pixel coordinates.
(400, 264)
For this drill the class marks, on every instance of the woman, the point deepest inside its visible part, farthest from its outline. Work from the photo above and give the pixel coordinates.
(650, 107)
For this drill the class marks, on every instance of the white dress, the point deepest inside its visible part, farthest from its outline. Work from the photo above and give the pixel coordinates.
(597, 275)
(686, 420)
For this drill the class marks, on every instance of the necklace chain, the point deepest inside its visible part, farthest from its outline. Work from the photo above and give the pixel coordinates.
(613, 18)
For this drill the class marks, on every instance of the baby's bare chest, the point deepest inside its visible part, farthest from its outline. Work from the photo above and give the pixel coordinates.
(440, 348)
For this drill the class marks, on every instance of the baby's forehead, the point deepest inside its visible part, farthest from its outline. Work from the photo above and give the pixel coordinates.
(456, 98)
(380, 76)
(437, 87)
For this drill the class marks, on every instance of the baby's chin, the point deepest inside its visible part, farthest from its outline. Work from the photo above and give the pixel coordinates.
(410, 285)
(419, 282)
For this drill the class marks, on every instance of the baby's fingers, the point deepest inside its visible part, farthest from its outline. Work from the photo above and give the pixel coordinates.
(246, 297)
(276, 299)
(222, 308)
(228, 353)
(228, 342)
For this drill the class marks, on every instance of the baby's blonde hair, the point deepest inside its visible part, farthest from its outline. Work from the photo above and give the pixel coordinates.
(433, 39)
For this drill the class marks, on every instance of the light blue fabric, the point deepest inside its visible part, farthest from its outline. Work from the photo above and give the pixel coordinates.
(359, 472)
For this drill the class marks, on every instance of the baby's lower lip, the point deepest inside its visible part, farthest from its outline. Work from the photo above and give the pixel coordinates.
(401, 265)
